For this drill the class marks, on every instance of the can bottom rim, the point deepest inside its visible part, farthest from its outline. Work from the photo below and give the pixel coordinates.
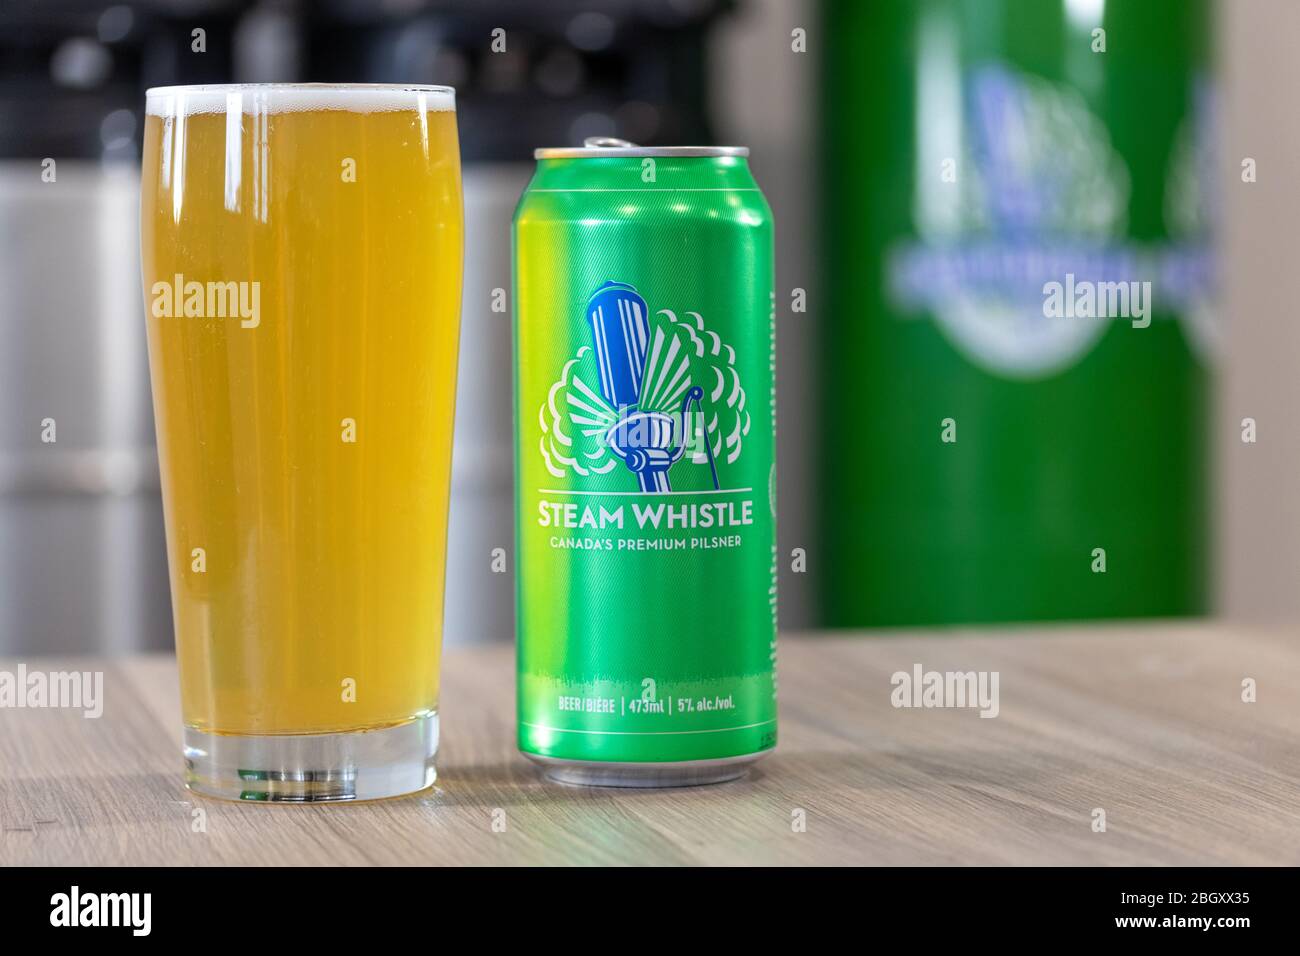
(669, 773)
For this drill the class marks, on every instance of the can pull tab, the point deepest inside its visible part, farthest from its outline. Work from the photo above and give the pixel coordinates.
(606, 142)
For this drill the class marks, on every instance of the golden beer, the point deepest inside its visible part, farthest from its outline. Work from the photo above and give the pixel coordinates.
(302, 273)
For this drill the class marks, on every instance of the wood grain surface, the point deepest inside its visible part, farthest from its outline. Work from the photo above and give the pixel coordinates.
(1146, 723)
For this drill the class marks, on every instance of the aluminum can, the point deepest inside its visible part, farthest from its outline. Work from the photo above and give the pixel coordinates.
(645, 480)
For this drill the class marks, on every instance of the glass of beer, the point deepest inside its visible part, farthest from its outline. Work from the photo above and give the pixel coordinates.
(302, 248)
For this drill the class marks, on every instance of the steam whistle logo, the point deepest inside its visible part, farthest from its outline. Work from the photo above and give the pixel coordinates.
(648, 441)
(1021, 212)
(666, 392)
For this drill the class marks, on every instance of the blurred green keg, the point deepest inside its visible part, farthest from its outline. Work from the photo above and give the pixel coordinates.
(1019, 203)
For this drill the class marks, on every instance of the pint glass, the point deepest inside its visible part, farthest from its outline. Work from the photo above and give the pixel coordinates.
(301, 249)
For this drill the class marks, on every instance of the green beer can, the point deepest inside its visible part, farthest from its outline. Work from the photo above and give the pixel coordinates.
(645, 485)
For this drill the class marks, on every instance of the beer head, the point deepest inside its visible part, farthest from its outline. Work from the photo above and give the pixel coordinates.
(297, 98)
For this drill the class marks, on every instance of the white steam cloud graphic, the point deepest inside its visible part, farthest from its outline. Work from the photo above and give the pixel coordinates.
(682, 352)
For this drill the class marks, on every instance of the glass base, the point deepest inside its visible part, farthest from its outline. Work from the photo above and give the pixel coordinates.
(313, 768)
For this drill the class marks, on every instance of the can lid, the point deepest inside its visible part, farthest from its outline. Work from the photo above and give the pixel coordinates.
(606, 147)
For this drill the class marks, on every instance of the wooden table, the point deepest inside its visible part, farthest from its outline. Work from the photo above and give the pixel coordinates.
(1146, 723)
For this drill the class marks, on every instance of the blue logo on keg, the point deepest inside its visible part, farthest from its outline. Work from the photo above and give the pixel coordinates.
(650, 392)
(1018, 211)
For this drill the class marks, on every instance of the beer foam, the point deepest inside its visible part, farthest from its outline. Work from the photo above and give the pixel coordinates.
(297, 98)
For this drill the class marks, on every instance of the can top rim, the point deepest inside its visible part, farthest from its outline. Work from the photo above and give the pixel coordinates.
(637, 152)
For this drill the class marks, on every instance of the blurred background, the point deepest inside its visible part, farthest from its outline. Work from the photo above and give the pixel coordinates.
(930, 163)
